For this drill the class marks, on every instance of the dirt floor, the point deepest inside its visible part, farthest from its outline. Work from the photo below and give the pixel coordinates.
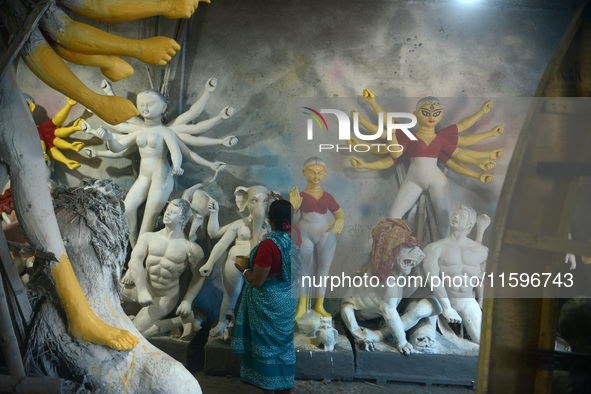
(220, 384)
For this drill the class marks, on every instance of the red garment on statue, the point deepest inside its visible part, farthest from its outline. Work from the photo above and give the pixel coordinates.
(443, 145)
(6, 204)
(322, 205)
(268, 255)
(47, 133)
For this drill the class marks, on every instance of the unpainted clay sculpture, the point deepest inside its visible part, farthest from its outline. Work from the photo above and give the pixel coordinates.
(167, 254)
(154, 141)
(238, 238)
(455, 256)
(395, 256)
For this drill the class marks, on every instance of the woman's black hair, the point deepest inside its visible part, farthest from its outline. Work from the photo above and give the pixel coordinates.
(280, 214)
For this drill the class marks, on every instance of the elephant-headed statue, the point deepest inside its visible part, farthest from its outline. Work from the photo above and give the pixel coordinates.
(238, 238)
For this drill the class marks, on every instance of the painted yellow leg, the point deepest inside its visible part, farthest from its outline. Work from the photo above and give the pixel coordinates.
(86, 39)
(52, 70)
(111, 67)
(302, 308)
(59, 156)
(319, 307)
(82, 322)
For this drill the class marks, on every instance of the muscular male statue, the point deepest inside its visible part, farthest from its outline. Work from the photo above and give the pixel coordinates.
(455, 256)
(167, 254)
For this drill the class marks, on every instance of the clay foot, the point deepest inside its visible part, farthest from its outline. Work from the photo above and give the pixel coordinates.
(230, 141)
(301, 309)
(211, 84)
(117, 69)
(72, 164)
(320, 310)
(182, 8)
(92, 329)
(77, 146)
(497, 153)
(157, 50)
(227, 112)
(113, 109)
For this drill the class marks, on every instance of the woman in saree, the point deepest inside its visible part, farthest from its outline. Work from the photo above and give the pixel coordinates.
(265, 320)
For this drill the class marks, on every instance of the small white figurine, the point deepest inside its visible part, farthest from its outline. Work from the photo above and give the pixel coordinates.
(327, 335)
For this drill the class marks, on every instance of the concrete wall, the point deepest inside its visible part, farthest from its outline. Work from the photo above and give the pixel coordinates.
(274, 57)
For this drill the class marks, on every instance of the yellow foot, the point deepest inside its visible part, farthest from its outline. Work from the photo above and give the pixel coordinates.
(497, 153)
(113, 109)
(157, 50)
(92, 329)
(117, 70)
(320, 310)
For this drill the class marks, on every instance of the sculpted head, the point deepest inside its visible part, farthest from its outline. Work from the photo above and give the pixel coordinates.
(178, 211)
(428, 112)
(407, 259)
(151, 104)
(463, 218)
(314, 170)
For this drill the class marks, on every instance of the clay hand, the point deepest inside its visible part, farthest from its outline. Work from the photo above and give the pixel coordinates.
(206, 269)
(211, 84)
(357, 163)
(77, 146)
(107, 88)
(353, 141)
(46, 157)
(90, 152)
(178, 171)
(230, 141)
(184, 309)
(79, 123)
(368, 95)
(104, 133)
(71, 102)
(212, 206)
(295, 198)
(482, 221)
(570, 259)
(227, 112)
(337, 226)
(498, 130)
(218, 166)
(486, 178)
(487, 106)
(487, 165)
(452, 316)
